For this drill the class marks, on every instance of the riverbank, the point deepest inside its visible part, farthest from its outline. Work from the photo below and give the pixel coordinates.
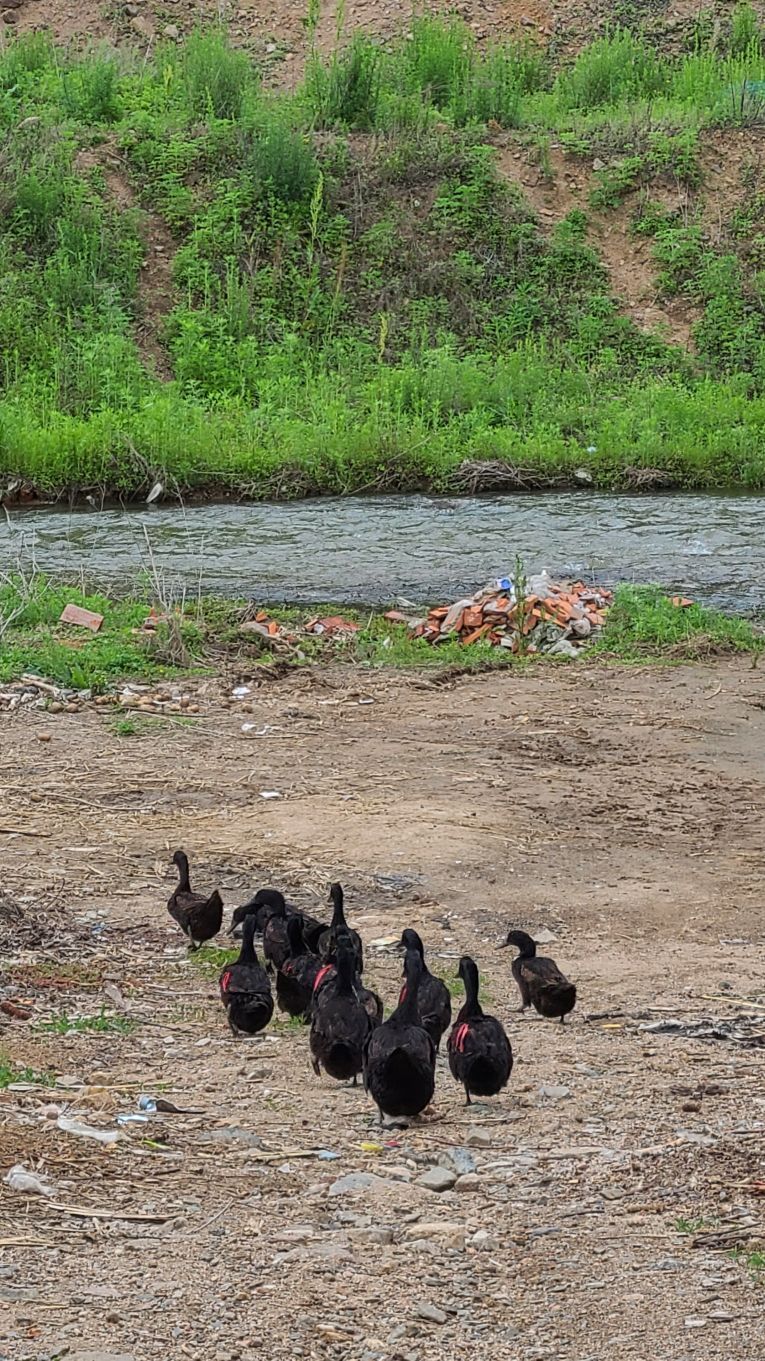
(427, 265)
(342, 437)
(621, 822)
(154, 640)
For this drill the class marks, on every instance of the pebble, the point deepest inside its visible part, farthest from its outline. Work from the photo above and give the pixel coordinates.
(171, 31)
(354, 1182)
(441, 1228)
(484, 1241)
(469, 1182)
(431, 1313)
(460, 1160)
(554, 1093)
(400, 1331)
(478, 1138)
(695, 1321)
(378, 1234)
(437, 1179)
(100, 1356)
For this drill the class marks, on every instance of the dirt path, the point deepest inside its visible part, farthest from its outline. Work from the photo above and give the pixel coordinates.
(620, 809)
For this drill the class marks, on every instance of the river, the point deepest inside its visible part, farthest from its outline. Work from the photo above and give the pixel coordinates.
(380, 549)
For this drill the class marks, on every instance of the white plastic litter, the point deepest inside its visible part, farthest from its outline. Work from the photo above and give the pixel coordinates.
(21, 1179)
(103, 1136)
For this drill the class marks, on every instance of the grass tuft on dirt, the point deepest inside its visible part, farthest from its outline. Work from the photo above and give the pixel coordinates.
(644, 622)
(10, 1073)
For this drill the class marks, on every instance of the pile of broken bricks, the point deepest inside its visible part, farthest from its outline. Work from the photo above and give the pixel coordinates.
(551, 617)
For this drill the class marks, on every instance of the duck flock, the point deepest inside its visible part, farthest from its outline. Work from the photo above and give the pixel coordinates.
(317, 969)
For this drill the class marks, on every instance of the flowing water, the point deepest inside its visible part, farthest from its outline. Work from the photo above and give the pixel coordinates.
(420, 548)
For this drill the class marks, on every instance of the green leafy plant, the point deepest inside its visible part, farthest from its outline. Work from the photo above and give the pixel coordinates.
(101, 1024)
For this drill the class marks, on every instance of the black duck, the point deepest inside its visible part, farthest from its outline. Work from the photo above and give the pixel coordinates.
(244, 988)
(199, 918)
(296, 977)
(540, 981)
(328, 939)
(340, 1024)
(479, 1051)
(433, 998)
(400, 1057)
(265, 901)
(313, 930)
(327, 976)
(276, 945)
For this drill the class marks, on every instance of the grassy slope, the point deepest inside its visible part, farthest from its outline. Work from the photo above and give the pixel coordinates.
(355, 311)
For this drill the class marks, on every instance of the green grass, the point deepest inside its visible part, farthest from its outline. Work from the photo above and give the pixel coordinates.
(10, 1073)
(686, 1226)
(643, 624)
(211, 960)
(754, 1261)
(74, 658)
(456, 987)
(101, 1024)
(351, 314)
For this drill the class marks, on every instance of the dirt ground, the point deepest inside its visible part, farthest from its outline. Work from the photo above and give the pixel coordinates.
(621, 810)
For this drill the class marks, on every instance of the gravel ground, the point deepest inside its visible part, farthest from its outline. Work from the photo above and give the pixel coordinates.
(609, 1202)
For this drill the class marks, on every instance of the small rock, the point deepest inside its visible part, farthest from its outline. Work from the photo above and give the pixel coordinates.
(172, 32)
(43, 737)
(441, 1228)
(554, 1093)
(722, 1316)
(99, 1356)
(431, 1313)
(695, 1321)
(460, 1160)
(484, 1241)
(478, 1138)
(437, 1179)
(563, 648)
(469, 1182)
(354, 1182)
(378, 1234)
(598, 164)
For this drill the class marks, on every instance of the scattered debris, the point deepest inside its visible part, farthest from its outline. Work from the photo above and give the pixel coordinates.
(71, 1126)
(552, 617)
(333, 625)
(85, 619)
(747, 1031)
(20, 1179)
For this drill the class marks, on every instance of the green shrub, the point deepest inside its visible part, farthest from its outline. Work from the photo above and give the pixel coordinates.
(216, 78)
(345, 93)
(612, 69)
